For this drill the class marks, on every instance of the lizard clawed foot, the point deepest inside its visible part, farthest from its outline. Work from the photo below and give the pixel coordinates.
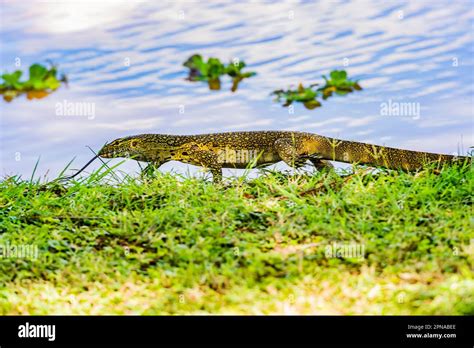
(149, 172)
(321, 164)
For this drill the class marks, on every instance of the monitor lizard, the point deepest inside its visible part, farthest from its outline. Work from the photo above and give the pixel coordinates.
(260, 148)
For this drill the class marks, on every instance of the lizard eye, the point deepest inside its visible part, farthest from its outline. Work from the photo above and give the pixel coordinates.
(133, 143)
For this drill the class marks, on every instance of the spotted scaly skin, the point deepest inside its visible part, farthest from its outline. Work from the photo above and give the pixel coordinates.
(260, 148)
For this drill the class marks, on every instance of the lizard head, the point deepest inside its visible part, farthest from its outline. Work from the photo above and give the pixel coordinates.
(128, 147)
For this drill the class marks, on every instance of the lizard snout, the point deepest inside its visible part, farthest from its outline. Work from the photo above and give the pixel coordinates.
(106, 152)
(113, 151)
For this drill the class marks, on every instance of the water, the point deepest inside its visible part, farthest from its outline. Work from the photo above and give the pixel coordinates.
(126, 59)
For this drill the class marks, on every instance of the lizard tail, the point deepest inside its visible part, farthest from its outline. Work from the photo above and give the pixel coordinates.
(355, 152)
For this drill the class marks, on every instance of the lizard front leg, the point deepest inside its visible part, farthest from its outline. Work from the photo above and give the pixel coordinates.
(289, 153)
(193, 154)
(151, 167)
(149, 170)
(321, 164)
(287, 150)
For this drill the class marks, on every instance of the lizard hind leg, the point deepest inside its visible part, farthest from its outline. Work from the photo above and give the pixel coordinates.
(321, 164)
(288, 153)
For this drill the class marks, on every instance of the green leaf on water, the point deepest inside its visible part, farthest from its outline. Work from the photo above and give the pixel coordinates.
(12, 80)
(37, 72)
(337, 83)
(52, 83)
(215, 68)
(212, 70)
(338, 75)
(42, 81)
(312, 104)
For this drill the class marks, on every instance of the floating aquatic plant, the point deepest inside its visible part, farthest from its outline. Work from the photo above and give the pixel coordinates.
(212, 70)
(234, 70)
(337, 83)
(305, 95)
(42, 81)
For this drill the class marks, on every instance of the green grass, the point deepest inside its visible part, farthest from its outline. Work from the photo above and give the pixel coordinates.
(186, 246)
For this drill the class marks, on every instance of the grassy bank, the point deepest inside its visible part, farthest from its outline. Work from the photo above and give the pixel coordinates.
(391, 243)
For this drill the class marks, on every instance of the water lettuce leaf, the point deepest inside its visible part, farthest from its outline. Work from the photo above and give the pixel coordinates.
(212, 71)
(42, 81)
(336, 83)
